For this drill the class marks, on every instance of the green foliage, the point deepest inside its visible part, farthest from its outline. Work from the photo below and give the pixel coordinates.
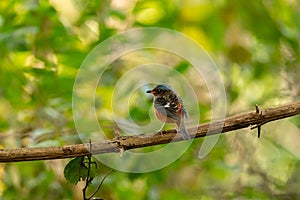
(254, 43)
(77, 170)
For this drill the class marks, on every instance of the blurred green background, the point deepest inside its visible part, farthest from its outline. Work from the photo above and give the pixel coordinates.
(255, 45)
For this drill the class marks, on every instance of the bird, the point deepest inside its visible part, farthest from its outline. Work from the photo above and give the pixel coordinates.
(169, 108)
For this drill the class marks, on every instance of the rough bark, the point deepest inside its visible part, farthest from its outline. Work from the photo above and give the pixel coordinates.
(253, 119)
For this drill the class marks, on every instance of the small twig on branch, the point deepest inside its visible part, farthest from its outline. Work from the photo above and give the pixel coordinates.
(88, 178)
(259, 113)
(253, 119)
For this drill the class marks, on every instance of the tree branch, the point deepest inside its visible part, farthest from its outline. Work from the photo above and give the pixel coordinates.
(254, 119)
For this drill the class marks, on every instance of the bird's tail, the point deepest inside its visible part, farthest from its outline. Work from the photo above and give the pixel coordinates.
(183, 130)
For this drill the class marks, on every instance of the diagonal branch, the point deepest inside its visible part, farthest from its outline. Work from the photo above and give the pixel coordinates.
(253, 119)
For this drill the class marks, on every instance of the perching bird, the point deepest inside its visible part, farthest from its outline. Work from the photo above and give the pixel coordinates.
(169, 108)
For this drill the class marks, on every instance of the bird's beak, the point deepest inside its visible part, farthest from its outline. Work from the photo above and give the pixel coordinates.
(149, 91)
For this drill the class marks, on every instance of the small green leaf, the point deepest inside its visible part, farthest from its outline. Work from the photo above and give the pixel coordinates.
(93, 170)
(76, 170)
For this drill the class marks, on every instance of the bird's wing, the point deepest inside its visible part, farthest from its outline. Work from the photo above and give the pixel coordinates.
(183, 109)
(164, 107)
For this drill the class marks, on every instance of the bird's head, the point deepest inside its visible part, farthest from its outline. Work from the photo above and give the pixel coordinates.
(160, 90)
